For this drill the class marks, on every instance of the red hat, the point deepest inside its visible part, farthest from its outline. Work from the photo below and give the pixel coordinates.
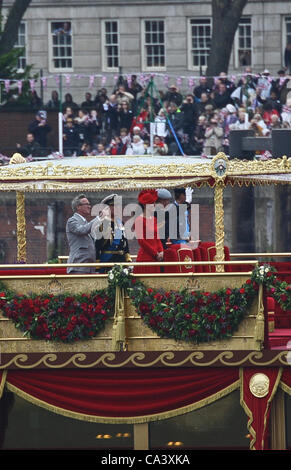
(148, 196)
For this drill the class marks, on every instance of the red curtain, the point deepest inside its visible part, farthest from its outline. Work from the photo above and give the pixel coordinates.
(121, 393)
(258, 408)
(286, 374)
(136, 395)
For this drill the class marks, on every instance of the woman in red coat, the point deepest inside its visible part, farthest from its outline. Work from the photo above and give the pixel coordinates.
(151, 248)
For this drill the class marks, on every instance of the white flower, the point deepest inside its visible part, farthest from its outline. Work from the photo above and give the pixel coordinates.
(126, 272)
(111, 276)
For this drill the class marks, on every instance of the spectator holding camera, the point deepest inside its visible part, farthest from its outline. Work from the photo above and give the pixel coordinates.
(213, 138)
(190, 111)
(40, 128)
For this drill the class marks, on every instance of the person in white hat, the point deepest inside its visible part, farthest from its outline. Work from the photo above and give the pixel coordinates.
(229, 121)
(265, 84)
(111, 243)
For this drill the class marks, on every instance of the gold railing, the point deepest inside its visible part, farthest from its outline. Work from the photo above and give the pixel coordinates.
(127, 330)
(260, 255)
(109, 265)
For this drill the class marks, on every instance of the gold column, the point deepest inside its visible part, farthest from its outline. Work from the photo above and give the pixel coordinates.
(219, 222)
(21, 226)
(118, 328)
(141, 436)
(278, 422)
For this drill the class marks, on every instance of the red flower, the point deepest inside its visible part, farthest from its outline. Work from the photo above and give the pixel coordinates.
(192, 332)
(143, 308)
(158, 297)
(242, 290)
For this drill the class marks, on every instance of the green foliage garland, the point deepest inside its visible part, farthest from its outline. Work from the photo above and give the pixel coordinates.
(185, 315)
(196, 316)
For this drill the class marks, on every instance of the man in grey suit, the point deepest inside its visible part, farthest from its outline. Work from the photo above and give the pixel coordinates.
(82, 247)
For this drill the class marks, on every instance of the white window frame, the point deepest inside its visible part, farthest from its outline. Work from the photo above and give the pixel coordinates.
(105, 67)
(236, 43)
(145, 67)
(191, 66)
(52, 68)
(18, 45)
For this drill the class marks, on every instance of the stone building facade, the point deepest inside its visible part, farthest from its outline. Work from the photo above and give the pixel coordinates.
(164, 37)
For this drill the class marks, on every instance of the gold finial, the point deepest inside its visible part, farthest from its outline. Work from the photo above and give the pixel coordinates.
(17, 158)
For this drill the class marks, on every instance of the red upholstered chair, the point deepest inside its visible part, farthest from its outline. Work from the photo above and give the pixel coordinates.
(208, 252)
(178, 253)
(197, 257)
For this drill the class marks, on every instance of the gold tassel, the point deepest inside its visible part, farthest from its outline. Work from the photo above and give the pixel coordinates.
(260, 319)
(118, 329)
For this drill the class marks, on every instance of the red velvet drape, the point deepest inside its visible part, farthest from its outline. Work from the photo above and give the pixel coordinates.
(134, 393)
(258, 408)
(122, 393)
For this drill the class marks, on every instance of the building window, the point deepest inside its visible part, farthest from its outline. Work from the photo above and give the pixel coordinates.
(110, 39)
(61, 46)
(21, 44)
(200, 32)
(286, 43)
(154, 45)
(288, 30)
(244, 43)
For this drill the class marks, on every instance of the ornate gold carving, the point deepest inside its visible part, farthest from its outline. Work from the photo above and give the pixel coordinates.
(118, 328)
(259, 385)
(172, 359)
(95, 185)
(193, 284)
(133, 167)
(17, 158)
(55, 287)
(219, 223)
(219, 165)
(21, 226)
(260, 319)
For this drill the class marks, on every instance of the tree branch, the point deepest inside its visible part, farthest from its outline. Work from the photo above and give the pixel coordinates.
(10, 33)
(226, 15)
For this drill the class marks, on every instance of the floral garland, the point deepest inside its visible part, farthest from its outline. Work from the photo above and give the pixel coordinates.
(63, 317)
(185, 315)
(199, 316)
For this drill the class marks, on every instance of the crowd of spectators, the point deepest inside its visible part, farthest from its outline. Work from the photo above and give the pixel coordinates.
(133, 121)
